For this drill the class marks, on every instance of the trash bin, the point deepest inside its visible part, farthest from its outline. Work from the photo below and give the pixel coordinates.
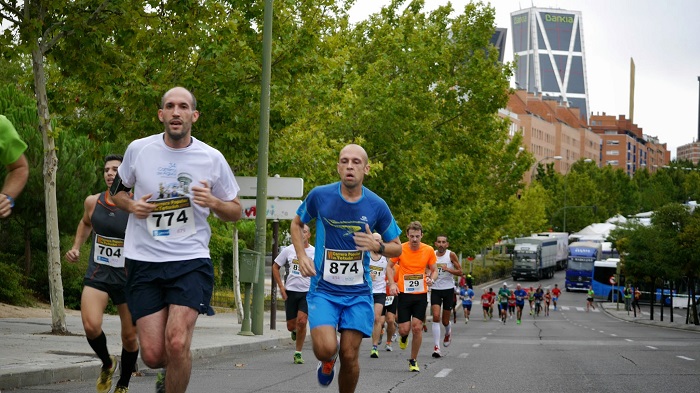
(248, 266)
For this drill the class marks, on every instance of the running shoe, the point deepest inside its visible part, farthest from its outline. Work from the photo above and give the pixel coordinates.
(448, 340)
(466, 321)
(373, 353)
(104, 381)
(413, 365)
(403, 342)
(518, 322)
(297, 358)
(388, 347)
(436, 352)
(294, 335)
(121, 389)
(396, 334)
(160, 382)
(326, 371)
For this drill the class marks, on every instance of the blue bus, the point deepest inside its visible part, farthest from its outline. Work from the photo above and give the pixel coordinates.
(579, 271)
(606, 284)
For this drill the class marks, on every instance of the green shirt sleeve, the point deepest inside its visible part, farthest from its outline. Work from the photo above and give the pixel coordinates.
(11, 145)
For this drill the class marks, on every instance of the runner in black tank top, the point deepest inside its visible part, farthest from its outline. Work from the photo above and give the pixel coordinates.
(105, 279)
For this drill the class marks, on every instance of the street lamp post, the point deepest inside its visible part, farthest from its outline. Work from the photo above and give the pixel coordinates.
(537, 164)
(566, 182)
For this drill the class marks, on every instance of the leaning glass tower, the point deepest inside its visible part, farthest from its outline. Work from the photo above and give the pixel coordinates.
(548, 44)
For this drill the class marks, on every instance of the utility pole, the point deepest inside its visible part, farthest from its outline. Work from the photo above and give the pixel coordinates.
(263, 148)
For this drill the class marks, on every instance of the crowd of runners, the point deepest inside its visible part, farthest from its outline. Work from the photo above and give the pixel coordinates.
(423, 280)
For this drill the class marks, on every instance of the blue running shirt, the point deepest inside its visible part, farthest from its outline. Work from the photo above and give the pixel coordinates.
(336, 222)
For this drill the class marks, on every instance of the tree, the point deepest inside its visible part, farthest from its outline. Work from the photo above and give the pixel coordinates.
(420, 92)
(37, 26)
(528, 214)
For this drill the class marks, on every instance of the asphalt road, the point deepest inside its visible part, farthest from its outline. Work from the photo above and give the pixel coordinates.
(570, 351)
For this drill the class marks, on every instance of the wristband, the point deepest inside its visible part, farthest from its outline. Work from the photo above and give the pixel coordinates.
(381, 248)
(11, 199)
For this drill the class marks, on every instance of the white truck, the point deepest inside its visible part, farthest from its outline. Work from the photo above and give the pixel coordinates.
(534, 257)
(562, 246)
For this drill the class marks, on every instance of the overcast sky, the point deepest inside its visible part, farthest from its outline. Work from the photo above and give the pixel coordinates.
(663, 37)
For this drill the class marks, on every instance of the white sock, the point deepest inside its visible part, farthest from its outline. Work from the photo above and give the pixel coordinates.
(436, 333)
(448, 328)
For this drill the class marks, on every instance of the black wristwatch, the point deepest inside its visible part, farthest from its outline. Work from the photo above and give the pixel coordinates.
(381, 248)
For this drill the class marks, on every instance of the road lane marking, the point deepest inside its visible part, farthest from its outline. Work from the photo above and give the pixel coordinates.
(476, 345)
(443, 373)
(613, 334)
(650, 347)
(629, 340)
(463, 355)
(685, 358)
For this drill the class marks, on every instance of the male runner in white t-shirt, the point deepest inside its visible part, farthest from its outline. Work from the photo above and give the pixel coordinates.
(294, 291)
(177, 182)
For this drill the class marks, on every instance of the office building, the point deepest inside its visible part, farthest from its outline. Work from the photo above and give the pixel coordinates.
(551, 58)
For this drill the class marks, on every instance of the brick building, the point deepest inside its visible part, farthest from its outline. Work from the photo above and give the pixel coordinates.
(551, 129)
(625, 146)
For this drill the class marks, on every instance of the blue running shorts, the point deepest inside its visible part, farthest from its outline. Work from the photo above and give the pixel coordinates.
(341, 311)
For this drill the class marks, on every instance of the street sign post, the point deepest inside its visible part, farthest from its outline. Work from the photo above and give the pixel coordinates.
(277, 209)
(283, 187)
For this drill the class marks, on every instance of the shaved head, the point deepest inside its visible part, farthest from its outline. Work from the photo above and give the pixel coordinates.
(355, 149)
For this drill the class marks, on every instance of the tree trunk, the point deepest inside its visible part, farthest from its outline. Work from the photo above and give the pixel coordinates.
(653, 297)
(691, 293)
(27, 251)
(53, 252)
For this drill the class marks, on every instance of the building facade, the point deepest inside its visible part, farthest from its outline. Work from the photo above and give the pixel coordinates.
(552, 129)
(689, 152)
(550, 55)
(625, 146)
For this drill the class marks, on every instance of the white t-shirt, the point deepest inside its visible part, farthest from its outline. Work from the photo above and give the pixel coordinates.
(177, 230)
(295, 281)
(445, 279)
(377, 270)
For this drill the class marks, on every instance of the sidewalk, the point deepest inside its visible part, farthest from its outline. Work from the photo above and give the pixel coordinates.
(678, 323)
(30, 355)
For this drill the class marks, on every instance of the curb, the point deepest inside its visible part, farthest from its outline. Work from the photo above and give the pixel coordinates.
(89, 370)
(667, 325)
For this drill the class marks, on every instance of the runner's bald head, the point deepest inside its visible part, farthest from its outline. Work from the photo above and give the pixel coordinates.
(356, 149)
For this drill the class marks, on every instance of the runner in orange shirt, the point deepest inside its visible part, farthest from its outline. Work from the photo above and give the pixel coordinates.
(412, 287)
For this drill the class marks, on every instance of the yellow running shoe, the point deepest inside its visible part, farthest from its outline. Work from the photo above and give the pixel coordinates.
(403, 342)
(104, 381)
(413, 365)
(121, 389)
(297, 358)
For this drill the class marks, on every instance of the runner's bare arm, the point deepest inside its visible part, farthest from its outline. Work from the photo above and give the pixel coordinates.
(84, 228)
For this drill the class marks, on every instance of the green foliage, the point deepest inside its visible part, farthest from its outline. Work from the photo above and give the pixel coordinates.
(419, 90)
(13, 289)
(72, 275)
(528, 212)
